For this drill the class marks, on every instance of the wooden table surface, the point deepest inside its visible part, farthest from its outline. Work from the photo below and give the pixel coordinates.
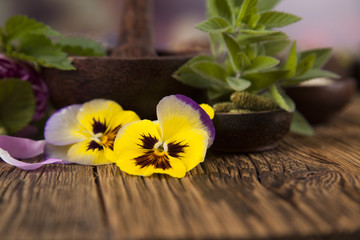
(307, 188)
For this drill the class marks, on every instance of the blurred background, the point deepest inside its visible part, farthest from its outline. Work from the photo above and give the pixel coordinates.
(325, 22)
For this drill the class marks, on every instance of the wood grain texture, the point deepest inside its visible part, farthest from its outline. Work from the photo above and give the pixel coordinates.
(307, 188)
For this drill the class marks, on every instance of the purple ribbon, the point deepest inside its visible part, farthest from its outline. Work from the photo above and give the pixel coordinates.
(23, 148)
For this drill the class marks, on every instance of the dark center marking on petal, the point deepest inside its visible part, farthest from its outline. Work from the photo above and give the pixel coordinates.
(148, 142)
(176, 148)
(152, 157)
(98, 126)
(93, 145)
(109, 137)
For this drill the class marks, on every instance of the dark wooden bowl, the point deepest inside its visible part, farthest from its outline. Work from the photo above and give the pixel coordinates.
(137, 84)
(251, 131)
(319, 103)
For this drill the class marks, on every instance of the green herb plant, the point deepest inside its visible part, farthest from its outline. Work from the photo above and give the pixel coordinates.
(25, 39)
(245, 40)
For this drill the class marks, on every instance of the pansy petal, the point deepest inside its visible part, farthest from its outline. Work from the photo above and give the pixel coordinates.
(54, 151)
(134, 147)
(86, 154)
(123, 118)
(190, 147)
(96, 115)
(177, 113)
(62, 128)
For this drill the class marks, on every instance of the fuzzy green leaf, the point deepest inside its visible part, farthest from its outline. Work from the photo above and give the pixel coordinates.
(322, 56)
(212, 72)
(247, 38)
(214, 25)
(248, 8)
(224, 9)
(300, 125)
(274, 19)
(39, 49)
(272, 48)
(238, 84)
(291, 62)
(17, 104)
(187, 76)
(266, 5)
(261, 63)
(236, 3)
(258, 32)
(305, 64)
(262, 80)
(18, 26)
(81, 46)
(253, 20)
(234, 50)
(282, 99)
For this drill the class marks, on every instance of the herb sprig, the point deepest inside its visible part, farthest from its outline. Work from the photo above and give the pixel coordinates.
(245, 41)
(26, 39)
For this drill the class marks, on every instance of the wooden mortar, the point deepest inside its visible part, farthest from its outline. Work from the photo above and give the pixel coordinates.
(133, 75)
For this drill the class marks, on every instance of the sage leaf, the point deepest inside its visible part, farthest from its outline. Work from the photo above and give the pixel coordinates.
(266, 5)
(282, 99)
(274, 19)
(214, 25)
(305, 64)
(291, 62)
(262, 62)
(213, 72)
(18, 26)
(238, 84)
(80, 46)
(322, 56)
(300, 125)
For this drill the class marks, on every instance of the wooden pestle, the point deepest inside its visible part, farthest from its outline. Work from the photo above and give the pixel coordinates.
(135, 30)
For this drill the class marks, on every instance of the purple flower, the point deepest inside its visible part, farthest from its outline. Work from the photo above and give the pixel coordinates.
(10, 68)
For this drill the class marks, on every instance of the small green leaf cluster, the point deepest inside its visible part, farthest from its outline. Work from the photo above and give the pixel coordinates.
(26, 39)
(245, 41)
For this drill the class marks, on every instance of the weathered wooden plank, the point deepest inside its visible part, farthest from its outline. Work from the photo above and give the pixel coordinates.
(307, 187)
(55, 202)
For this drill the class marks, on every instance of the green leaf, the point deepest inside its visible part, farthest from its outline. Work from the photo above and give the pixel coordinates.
(243, 60)
(81, 46)
(17, 104)
(311, 74)
(322, 56)
(39, 49)
(282, 99)
(261, 63)
(300, 125)
(224, 9)
(18, 26)
(234, 50)
(291, 62)
(305, 64)
(274, 19)
(247, 38)
(214, 25)
(248, 8)
(273, 48)
(266, 5)
(258, 32)
(238, 84)
(253, 20)
(187, 76)
(212, 72)
(262, 80)
(236, 3)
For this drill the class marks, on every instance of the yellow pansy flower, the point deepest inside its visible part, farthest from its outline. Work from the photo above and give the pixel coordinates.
(85, 134)
(173, 145)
